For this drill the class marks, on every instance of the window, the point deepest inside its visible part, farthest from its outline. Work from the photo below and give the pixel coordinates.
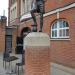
(13, 1)
(13, 13)
(60, 29)
(25, 6)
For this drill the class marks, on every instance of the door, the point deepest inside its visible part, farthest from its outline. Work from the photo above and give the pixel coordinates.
(8, 43)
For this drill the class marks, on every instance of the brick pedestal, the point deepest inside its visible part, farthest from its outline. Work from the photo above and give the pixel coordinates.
(36, 46)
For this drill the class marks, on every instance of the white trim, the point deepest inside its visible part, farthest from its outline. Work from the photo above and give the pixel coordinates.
(58, 15)
(63, 68)
(25, 16)
(60, 9)
(56, 39)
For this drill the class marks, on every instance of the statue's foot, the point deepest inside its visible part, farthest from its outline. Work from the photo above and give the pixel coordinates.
(40, 30)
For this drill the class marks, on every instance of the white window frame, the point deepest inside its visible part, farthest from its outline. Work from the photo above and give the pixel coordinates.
(58, 28)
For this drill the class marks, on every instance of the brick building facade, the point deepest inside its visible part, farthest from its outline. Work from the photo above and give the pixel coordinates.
(59, 24)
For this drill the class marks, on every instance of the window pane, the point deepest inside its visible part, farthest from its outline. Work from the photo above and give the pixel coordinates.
(52, 33)
(55, 33)
(60, 32)
(67, 32)
(54, 26)
(64, 24)
(60, 24)
(67, 24)
(64, 32)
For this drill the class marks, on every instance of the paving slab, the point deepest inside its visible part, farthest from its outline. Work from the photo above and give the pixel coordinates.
(6, 71)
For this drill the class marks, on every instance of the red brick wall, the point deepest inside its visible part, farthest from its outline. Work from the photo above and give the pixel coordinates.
(2, 36)
(54, 4)
(63, 51)
(37, 60)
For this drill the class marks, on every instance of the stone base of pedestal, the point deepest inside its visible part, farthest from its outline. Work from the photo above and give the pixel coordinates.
(36, 46)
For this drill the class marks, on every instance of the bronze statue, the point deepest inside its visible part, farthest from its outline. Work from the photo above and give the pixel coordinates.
(37, 6)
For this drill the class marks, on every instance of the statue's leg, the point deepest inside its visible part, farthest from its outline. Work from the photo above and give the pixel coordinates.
(42, 11)
(34, 19)
(41, 22)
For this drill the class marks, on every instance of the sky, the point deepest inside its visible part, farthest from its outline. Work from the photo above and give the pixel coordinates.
(4, 7)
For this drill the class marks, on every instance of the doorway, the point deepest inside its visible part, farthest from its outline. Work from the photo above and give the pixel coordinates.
(19, 40)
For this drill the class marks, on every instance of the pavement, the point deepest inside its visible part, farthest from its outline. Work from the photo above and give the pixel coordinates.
(12, 69)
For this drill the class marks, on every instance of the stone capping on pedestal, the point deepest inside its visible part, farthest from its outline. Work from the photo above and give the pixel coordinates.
(36, 39)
